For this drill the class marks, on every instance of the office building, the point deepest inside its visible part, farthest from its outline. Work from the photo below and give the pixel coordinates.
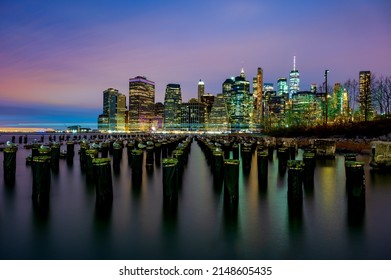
(365, 97)
(192, 115)
(114, 111)
(141, 103)
(218, 116)
(172, 107)
(294, 79)
(282, 87)
(201, 90)
(239, 101)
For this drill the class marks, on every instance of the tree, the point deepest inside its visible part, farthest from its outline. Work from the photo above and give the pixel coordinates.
(382, 96)
(352, 89)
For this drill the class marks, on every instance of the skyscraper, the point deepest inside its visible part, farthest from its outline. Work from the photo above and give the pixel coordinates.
(294, 79)
(201, 90)
(141, 103)
(193, 115)
(218, 115)
(172, 107)
(114, 111)
(364, 97)
(259, 108)
(282, 86)
(240, 102)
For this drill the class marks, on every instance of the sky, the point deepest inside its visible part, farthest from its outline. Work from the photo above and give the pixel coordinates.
(57, 57)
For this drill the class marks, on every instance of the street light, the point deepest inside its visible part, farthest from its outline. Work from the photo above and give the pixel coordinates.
(325, 76)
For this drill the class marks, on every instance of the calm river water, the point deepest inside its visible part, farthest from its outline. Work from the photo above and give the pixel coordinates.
(200, 227)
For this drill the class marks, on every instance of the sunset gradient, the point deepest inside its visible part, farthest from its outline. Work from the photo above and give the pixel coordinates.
(57, 57)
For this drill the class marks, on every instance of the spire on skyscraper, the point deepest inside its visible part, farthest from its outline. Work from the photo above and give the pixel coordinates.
(294, 63)
(242, 73)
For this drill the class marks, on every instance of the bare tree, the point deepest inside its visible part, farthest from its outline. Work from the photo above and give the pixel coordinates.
(352, 87)
(378, 94)
(387, 96)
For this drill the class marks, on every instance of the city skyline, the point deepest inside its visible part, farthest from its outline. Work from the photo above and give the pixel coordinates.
(61, 55)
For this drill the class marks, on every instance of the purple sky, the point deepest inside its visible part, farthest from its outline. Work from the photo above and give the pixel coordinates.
(63, 54)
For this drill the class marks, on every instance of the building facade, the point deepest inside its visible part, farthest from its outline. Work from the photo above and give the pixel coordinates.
(172, 107)
(141, 103)
(294, 79)
(201, 90)
(192, 115)
(219, 120)
(240, 103)
(114, 111)
(365, 96)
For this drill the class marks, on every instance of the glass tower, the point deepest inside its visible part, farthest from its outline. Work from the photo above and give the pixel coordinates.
(141, 103)
(172, 107)
(114, 111)
(294, 79)
(240, 102)
(201, 90)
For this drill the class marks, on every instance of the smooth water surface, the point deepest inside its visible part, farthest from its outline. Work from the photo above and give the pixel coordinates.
(200, 226)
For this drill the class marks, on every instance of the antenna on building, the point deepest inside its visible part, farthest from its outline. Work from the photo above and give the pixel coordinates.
(294, 63)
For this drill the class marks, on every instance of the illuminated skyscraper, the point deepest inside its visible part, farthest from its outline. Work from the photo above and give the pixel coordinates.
(294, 79)
(193, 115)
(218, 115)
(114, 111)
(282, 87)
(172, 107)
(365, 98)
(258, 95)
(240, 102)
(141, 103)
(201, 90)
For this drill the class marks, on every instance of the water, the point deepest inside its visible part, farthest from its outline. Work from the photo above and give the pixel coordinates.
(139, 226)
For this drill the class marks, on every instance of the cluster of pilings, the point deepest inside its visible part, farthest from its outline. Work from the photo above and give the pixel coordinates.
(173, 167)
(223, 159)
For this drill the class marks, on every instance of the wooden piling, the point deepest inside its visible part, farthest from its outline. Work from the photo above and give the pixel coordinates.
(231, 180)
(9, 165)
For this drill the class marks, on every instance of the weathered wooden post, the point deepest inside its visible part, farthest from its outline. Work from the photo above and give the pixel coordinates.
(82, 155)
(129, 149)
(150, 159)
(164, 150)
(104, 150)
(170, 178)
(55, 157)
(292, 151)
(263, 168)
(103, 181)
(70, 152)
(90, 155)
(231, 180)
(44, 151)
(246, 158)
(34, 150)
(218, 168)
(117, 155)
(137, 167)
(9, 165)
(282, 154)
(355, 179)
(158, 153)
(270, 151)
(295, 181)
(41, 179)
(309, 161)
(235, 151)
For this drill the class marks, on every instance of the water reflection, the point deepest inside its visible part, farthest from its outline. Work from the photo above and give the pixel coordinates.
(140, 224)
